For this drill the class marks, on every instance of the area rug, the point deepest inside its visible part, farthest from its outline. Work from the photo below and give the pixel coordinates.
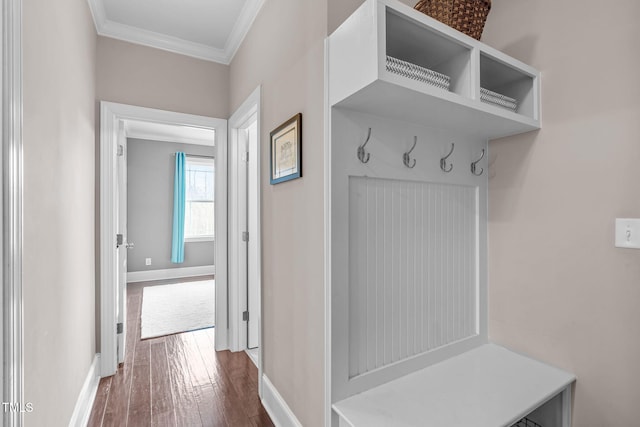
(179, 307)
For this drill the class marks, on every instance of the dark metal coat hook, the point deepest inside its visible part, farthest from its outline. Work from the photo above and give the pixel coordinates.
(443, 161)
(473, 165)
(406, 159)
(362, 155)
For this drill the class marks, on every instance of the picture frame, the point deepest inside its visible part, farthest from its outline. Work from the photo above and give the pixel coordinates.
(286, 151)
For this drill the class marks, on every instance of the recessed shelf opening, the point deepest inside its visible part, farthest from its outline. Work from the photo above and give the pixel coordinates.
(505, 80)
(548, 414)
(412, 41)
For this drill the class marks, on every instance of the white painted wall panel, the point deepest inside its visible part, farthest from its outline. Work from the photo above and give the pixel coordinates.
(408, 279)
(412, 270)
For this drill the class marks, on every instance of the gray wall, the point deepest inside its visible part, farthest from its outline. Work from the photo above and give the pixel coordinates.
(150, 168)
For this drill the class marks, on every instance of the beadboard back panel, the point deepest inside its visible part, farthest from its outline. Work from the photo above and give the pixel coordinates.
(408, 249)
(412, 269)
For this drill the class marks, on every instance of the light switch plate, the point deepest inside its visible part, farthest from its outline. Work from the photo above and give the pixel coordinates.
(628, 233)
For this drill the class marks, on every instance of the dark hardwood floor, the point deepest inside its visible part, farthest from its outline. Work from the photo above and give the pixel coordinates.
(177, 380)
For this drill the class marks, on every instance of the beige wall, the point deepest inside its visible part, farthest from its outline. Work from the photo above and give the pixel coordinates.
(559, 290)
(287, 59)
(138, 75)
(339, 10)
(59, 94)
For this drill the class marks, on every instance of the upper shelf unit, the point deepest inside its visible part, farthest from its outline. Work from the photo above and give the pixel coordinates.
(391, 60)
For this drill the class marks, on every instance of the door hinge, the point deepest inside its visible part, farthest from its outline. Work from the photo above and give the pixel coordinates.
(119, 328)
(246, 157)
(245, 236)
(119, 240)
(245, 316)
(120, 150)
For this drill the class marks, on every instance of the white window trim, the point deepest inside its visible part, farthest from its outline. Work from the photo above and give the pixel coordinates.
(199, 239)
(201, 161)
(198, 160)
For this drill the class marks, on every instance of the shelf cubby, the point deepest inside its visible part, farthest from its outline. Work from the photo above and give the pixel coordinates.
(358, 52)
(504, 78)
(410, 40)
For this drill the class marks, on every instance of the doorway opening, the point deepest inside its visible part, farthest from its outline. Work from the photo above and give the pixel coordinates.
(244, 230)
(119, 124)
(163, 360)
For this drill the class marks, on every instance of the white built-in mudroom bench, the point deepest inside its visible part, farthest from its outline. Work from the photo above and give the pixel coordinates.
(412, 106)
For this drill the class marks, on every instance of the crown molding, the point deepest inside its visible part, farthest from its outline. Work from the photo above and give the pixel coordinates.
(243, 25)
(116, 30)
(98, 13)
(148, 38)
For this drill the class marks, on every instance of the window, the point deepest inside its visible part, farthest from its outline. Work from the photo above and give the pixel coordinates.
(199, 215)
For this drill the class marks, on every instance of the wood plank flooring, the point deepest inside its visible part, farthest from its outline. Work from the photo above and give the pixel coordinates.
(177, 380)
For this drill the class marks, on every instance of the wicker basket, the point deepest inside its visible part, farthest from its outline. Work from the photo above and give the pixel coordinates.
(467, 16)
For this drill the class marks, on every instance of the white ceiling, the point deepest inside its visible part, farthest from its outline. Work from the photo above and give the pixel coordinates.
(205, 29)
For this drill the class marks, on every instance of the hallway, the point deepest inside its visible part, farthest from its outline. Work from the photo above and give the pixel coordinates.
(177, 380)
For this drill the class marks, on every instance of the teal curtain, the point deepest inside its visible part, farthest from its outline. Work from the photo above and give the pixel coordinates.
(177, 246)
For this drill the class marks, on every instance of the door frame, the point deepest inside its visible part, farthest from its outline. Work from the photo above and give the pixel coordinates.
(11, 321)
(111, 114)
(122, 213)
(237, 327)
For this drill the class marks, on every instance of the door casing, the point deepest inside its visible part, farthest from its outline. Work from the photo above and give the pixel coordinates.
(11, 181)
(111, 115)
(237, 294)
(121, 227)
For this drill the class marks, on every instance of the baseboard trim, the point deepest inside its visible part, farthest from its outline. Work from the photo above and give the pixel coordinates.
(170, 273)
(276, 407)
(84, 404)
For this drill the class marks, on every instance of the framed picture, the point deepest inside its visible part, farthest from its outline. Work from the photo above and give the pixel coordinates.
(286, 150)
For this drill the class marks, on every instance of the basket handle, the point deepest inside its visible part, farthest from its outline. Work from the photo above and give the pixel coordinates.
(421, 4)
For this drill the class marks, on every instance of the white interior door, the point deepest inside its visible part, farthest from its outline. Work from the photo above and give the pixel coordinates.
(253, 252)
(244, 230)
(247, 214)
(245, 237)
(123, 245)
(244, 246)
